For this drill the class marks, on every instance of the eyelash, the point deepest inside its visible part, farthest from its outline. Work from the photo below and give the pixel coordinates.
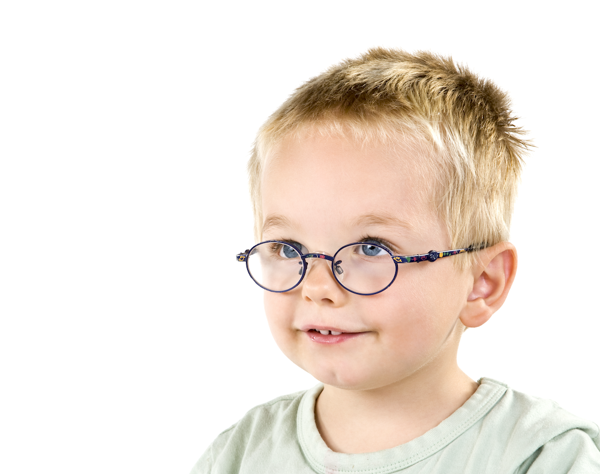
(377, 240)
(295, 243)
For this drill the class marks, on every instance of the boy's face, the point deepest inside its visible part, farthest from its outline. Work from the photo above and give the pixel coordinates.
(324, 193)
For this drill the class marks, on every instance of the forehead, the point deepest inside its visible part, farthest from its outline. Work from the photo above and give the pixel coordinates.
(332, 182)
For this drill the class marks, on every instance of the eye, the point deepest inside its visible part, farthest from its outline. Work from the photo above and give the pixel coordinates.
(371, 250)
(375, 247)
(287, 251)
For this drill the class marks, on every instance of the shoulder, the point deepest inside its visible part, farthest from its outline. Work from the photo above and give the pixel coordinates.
(276, 413)
(530, 426)
(269, 426)
(536, 415)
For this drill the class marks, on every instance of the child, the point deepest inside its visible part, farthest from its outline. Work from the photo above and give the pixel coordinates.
(362, 171)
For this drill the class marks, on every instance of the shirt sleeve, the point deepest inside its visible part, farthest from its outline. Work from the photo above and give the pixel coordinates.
(572, 452)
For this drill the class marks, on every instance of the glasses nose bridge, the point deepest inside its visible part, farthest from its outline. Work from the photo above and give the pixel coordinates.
(318, 255)
(313, 257)
(310, 259)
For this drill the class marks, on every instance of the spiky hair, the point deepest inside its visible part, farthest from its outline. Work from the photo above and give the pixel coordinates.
(474, 149)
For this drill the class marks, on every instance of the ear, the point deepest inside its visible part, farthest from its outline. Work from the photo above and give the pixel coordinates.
(493, 275)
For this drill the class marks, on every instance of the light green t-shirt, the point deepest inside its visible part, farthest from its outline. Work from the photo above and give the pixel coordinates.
(497, 430)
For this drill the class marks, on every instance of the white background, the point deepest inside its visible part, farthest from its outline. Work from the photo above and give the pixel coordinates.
(129, 336)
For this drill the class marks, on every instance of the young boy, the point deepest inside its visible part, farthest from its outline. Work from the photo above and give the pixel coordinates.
(362, 171)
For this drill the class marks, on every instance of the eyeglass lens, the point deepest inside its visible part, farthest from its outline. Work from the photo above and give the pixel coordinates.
(361, 268)
(275, 266)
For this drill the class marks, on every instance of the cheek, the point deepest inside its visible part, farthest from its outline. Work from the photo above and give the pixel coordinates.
(279, 312)
(405, 319)
(420, 308)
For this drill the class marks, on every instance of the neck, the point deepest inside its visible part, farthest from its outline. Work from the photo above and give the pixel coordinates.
(359, 421)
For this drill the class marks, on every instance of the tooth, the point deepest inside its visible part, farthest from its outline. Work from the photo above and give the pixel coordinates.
(324, 331)
(335, 333)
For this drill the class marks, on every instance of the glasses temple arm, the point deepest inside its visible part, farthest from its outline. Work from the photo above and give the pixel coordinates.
(433, 255)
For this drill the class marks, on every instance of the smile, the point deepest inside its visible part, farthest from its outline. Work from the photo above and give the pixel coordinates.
(330, 336)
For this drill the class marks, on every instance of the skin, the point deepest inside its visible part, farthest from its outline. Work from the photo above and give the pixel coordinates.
(399, 377)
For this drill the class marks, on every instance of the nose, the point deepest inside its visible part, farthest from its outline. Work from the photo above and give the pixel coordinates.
(319, 285)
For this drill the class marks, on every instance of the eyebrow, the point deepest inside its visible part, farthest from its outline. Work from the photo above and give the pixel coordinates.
(382, 220)
(275, 221)
(280, 221)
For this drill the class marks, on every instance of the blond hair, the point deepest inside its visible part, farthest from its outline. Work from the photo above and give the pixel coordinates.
(464, 121)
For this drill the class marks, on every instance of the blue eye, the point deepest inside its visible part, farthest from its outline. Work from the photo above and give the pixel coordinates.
(371, 250)
(287, 251)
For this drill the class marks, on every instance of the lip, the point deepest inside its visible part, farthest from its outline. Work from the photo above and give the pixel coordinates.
(317, 337)
(308, 327)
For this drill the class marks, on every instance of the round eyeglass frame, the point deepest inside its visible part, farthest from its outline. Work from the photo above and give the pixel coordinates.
(430, 256)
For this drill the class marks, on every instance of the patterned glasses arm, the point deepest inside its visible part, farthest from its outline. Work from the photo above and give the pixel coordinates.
(241, 257)
(432, 255)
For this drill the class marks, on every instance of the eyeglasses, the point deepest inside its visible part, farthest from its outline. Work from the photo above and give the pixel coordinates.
(362, 268)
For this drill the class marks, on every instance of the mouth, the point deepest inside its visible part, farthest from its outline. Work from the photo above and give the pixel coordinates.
(325, 332)
(328, 335)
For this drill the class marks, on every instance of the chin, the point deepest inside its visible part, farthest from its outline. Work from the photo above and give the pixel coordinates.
(342, 378)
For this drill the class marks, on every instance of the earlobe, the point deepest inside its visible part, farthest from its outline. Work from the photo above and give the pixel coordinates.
(493, 276)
